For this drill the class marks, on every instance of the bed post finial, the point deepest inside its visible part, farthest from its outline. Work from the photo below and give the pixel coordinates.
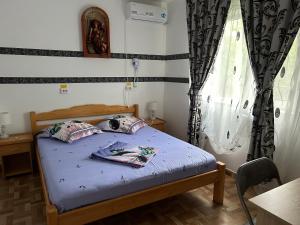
(33, 122)
(136, 110)
(52, 215)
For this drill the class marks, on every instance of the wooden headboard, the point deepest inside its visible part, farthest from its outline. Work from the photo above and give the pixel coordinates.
(82, 111)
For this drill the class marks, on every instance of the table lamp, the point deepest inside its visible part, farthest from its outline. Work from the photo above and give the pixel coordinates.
(152, 107)
(4, 121)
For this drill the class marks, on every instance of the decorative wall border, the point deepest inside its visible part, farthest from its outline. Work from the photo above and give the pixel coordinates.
(66, 53)
(55, 80)
(177, 56)
(183, 80)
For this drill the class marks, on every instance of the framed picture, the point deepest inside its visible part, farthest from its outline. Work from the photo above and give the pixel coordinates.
(95, 33)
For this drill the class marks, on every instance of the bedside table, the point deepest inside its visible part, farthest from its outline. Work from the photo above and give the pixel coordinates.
(157, 123)
(15, 152)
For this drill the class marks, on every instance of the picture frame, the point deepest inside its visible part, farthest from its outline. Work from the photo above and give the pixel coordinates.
(95, 33)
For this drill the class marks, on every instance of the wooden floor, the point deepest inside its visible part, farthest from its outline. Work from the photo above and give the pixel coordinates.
(21, 203)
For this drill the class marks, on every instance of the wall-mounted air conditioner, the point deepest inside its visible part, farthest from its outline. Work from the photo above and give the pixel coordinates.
(139, 11)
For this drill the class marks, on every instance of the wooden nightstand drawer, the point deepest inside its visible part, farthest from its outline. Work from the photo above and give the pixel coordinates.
(160, 127)
(157, 123)
(15, 149)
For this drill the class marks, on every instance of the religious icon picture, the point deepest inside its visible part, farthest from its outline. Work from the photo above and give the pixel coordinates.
(95, 33)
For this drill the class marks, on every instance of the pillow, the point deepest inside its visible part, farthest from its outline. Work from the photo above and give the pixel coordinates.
(70, 131)
(122, 124)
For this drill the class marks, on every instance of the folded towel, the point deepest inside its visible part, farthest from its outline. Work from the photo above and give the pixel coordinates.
(137, 156)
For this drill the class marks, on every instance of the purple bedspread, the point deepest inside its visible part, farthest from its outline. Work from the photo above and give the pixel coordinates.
(75, 180)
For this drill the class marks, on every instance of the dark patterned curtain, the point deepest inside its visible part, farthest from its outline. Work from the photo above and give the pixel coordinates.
(270, 29)
(205, 21)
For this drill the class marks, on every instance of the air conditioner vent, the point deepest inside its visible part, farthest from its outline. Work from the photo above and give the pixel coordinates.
(138, 11)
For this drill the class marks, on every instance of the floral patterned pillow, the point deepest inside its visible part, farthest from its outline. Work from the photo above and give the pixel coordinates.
(122, 124)
(70, 131)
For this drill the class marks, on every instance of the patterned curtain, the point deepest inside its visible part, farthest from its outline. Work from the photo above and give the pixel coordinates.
(205, 21)
(270, 29)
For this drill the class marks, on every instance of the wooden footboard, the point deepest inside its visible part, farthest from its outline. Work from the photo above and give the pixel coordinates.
(111, 207)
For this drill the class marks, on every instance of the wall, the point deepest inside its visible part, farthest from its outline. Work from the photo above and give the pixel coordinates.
(55, 25)
(176, 94)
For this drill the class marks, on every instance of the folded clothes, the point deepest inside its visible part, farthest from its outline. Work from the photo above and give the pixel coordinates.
(137, 156)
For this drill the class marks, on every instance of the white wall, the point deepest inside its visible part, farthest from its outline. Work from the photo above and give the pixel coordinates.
(176, 99)
(55, 24)
(42, 97)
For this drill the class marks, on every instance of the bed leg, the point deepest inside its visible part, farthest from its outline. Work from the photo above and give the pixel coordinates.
(52, 215)
(219, 184)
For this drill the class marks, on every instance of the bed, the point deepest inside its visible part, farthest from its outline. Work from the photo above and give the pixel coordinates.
(79, 190)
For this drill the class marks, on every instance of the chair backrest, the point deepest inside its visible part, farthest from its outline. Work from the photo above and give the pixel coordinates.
(253, 173)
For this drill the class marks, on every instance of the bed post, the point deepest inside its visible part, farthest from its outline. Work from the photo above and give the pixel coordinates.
(219, 184)
(52, 215)
(136, 110)
(51, 211)
(33, 123)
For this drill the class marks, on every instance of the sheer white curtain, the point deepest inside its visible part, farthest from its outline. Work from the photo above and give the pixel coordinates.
(287, 115)
(228, 95)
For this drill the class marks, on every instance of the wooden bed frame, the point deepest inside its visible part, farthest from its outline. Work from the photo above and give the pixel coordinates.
(114, 206)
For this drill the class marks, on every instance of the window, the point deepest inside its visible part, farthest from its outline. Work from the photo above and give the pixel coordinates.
(228, 95)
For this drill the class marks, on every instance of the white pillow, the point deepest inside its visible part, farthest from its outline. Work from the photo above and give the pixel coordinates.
(122, 124)
(70, 131)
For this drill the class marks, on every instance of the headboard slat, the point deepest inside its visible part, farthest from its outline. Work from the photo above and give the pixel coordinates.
(78, 112)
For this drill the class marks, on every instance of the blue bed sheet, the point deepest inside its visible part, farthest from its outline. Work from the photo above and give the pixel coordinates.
(74, 180)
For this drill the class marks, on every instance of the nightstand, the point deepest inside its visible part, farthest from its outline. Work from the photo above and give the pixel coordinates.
(15, 152)
(157, 123)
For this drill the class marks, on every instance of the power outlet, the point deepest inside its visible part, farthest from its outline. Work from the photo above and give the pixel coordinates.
(129, 85)
(63, 88)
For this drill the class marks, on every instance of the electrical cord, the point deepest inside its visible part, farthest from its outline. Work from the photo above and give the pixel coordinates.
(126, 93)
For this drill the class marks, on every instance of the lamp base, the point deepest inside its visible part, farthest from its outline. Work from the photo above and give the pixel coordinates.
(3, 133)
(152, 115)
(4, 136)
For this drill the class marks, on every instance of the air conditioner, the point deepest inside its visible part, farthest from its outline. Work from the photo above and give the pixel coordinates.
(139, 11)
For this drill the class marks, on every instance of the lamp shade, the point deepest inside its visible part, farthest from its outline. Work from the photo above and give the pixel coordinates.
(5, 118)
(152, 106)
